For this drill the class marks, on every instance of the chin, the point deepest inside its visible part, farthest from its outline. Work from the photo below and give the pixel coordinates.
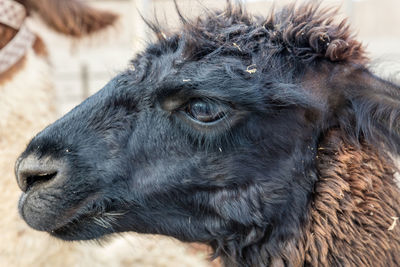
(84, 228)
(86, 220)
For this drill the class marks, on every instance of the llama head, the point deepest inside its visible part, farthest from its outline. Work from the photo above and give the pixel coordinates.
(211, 134)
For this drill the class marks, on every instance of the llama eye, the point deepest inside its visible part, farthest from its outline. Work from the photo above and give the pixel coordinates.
(204, 112)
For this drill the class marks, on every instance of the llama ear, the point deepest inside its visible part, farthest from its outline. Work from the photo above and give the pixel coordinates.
(371, 109)
(71, 17)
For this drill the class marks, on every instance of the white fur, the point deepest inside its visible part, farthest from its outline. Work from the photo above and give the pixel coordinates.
(396, 160)
(397, 174)
(397, 177)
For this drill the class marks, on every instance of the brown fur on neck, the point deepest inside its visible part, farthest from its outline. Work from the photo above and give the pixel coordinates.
(352, 211)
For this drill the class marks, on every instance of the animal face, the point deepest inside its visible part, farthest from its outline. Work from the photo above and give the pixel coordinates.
(186, 151)
(211, 135)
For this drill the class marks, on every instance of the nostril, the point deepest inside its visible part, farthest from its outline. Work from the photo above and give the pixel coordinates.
(32, 171)
(38, 178)
(29, 178)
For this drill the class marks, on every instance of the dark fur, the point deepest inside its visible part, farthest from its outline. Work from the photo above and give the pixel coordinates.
(253, 186)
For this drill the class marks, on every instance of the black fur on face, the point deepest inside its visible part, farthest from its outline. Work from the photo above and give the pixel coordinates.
(211, 135)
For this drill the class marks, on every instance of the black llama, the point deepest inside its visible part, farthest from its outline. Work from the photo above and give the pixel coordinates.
(266, 138)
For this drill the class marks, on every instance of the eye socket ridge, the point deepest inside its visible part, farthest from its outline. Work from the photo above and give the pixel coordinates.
(205, 111)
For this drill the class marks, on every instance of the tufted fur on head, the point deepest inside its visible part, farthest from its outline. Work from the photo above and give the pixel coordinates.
(305, 32)
(305, 40)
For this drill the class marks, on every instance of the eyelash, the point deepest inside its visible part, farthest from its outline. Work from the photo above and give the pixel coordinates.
(208, 135)
(205, 111)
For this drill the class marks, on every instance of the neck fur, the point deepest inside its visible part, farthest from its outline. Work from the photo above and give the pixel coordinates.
(352, 219)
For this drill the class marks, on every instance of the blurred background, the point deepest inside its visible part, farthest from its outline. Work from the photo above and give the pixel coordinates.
(80, 70)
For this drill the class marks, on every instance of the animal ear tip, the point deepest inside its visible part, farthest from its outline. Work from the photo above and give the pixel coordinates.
(104, 20)
(73, 17)
(94, 20)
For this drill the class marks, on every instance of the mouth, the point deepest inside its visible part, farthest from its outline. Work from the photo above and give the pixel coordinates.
(91, 218)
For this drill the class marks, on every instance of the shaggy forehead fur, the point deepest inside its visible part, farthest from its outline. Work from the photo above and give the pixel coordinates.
(305, 33)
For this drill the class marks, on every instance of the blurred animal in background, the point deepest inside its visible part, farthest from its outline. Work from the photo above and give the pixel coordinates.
(27, 105)
(264, 137)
